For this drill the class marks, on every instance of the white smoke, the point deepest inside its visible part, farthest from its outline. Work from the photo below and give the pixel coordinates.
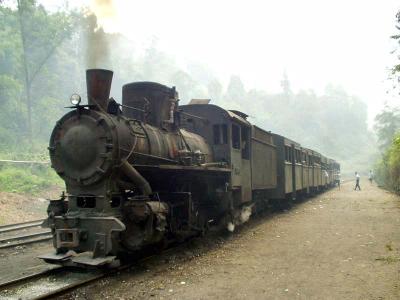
(240, 216)
(101, 20)
(106, 13)
(245, 214)
(230, 226)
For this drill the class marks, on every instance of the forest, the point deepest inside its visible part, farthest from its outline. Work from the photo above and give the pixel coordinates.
(43, 57)
(387, 128)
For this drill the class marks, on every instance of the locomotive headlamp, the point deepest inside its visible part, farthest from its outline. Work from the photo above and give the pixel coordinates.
(75, 99)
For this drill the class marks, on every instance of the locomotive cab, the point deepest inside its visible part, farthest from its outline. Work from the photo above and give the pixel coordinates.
(229, 133)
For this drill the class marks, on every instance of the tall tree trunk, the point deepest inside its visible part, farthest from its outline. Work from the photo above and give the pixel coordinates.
(26, 73)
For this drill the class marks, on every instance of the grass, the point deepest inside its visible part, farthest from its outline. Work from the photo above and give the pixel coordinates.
(28, 179)
(389, 247)
(388, 259)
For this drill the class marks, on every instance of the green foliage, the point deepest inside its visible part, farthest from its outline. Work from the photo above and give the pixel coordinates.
(30, 179)
(386, 124)
(387, 169)
(27, 178)
(30, 50)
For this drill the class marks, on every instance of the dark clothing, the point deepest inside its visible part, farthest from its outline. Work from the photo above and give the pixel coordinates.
(357, 184)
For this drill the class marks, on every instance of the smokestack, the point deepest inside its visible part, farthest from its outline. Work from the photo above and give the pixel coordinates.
(98, 83)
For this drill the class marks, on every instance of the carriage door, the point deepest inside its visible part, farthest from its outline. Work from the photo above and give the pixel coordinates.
(240, 158)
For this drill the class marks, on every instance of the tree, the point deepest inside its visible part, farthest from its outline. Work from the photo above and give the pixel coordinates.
(41, 34)
(34, 66)
(396, 68)
(214, 88)
(387, 123)
(236, 92)
(184, 84)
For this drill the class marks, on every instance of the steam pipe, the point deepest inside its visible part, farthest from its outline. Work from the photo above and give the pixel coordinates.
(136, 178)
(219, 164)
(98, 84)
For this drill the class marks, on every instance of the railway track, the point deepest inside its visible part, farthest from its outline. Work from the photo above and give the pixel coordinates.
(60, 280)
(19, 234)
(48, 283)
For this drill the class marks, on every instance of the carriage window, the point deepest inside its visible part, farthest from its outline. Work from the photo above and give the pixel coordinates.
(220, 132)
(235, 136)
(288, 154)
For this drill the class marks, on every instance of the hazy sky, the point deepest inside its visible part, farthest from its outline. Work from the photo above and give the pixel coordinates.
(343, 42)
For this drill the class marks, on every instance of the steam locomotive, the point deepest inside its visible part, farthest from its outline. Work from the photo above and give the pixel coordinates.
(148, 171)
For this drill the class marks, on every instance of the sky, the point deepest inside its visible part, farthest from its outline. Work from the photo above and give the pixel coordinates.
(340, 42)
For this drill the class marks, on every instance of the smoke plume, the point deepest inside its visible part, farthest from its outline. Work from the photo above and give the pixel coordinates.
(102, 16)
(105, 11)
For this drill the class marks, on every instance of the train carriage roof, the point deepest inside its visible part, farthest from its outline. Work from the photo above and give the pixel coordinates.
(287, 141)
(230, 114)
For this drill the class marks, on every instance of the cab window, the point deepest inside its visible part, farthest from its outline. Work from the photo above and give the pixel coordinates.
(235, 136)
(220, 132)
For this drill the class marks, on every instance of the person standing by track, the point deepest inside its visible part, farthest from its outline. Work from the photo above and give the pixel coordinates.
(371, 176)
(357, 182)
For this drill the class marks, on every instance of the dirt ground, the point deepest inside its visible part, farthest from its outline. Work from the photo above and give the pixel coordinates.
(15, 208)
(340, 245)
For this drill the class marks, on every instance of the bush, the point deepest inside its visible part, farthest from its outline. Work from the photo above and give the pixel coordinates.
(30, 179)
(387, 170)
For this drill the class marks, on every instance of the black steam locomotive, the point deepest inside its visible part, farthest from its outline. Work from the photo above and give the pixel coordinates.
(148, 171)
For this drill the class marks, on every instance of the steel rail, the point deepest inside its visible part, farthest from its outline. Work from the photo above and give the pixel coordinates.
(18, 226)
(27, 242)
(22, 279)
(24, 236)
